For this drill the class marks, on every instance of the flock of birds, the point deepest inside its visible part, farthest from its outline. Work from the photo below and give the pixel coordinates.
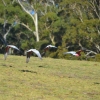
(30, 51)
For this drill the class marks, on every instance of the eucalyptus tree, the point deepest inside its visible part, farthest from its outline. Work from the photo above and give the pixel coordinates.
(44, 9)
(29, 9)
(5, 31)
(33, 8)
(11, 17)
(50, 23)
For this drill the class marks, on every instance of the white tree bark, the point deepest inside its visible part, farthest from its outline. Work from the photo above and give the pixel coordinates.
(5, 36)
(34, 18)
(95, 7)
(4, 2)
(36, 27)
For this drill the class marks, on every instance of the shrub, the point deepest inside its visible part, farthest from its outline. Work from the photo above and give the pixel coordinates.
(53, 55)
(24, 45)
(97, 57)
(41, 44)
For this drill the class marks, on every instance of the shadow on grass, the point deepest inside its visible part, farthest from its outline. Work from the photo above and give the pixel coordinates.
(44, 66)
(4, 65)
(40, 66)
(96, 83)
(28, 71)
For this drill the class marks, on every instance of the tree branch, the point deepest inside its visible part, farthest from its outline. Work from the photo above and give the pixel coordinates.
(94, 8)
(26, 10)
(27, 27)
(4, 3)
(7, 32)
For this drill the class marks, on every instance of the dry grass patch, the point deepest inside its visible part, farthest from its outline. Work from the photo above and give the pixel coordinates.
(49, 79)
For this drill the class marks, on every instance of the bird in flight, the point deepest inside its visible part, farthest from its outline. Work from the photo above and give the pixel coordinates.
(7, 50)
(29, 52)
(47, 48)
(77, 54)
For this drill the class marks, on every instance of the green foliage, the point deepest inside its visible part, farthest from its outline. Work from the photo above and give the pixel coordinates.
(41, 44)
(24, 45)
(57, 25)
(60, 52)
(45, 34)
(97, 57)
(51, 16)
(53, 55)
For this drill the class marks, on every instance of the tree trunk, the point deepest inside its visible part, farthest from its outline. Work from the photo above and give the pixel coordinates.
(35, 19)
(36, 27)
(52, 39)
(4, 2)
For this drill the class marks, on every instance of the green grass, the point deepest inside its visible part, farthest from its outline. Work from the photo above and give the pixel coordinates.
(48, 79)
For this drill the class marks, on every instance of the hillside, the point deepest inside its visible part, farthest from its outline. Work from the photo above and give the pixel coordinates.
(48, 79)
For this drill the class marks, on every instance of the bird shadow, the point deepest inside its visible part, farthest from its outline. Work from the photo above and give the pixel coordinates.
(4, 65)
(96, 83)
(40, 66)
(43, 66)
(28, 71)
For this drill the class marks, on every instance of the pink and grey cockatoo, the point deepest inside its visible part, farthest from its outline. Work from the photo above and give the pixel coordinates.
(7, 50)
(29, 52)
(48, 47)
(77, 54)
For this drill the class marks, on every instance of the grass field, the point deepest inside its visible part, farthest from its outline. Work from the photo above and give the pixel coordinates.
(48, 79)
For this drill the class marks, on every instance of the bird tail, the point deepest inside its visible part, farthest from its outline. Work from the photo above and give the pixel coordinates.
(5, 56)
(27, 60)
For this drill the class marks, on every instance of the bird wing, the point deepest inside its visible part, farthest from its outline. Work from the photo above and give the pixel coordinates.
(14, 47)
(48, 47)
(7, 49)
(36, 52)
(51, 46)
(71, 52)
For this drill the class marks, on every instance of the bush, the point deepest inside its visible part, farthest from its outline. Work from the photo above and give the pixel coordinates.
(60, 52)
(53, 55)
(24, 45)
(97, 57)
(41, 44)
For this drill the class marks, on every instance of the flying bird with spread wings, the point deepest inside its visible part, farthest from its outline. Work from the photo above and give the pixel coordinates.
(7, 50)
(77, 54)
(29, 52)
(48, 47)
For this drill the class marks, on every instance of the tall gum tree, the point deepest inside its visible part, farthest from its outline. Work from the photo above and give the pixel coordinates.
(31, 11)
(35, 15)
